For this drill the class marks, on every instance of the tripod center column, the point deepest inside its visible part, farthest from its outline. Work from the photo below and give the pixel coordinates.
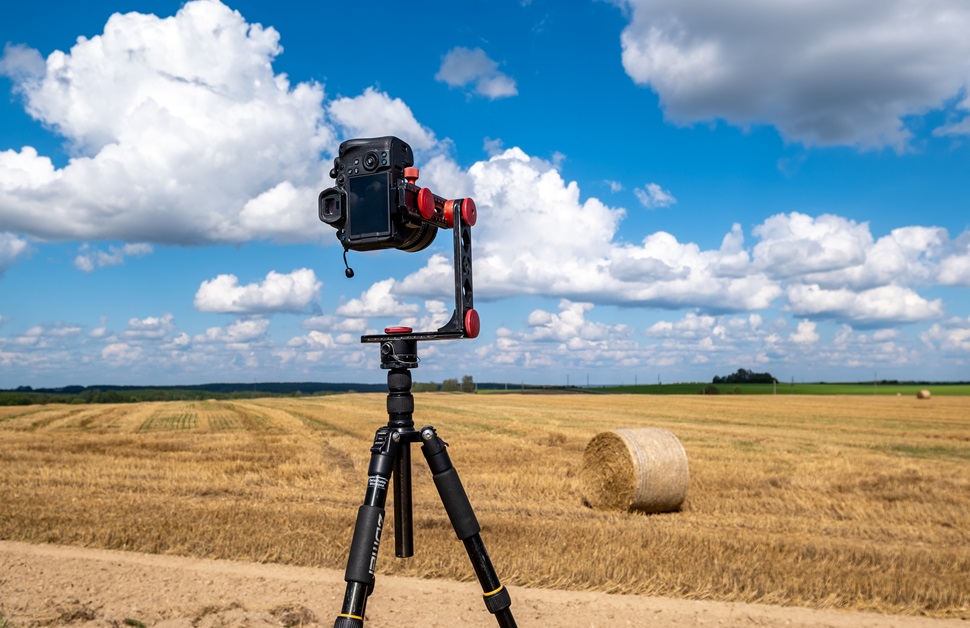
(400, 401)
(398, 356)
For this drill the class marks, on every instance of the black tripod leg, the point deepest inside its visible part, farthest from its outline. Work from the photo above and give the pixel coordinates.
(497, 599)
(367, 533)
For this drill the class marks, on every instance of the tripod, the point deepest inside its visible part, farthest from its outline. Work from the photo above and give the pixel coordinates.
(391, 457)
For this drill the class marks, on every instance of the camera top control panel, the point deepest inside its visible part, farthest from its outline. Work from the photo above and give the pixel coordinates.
(362, 156)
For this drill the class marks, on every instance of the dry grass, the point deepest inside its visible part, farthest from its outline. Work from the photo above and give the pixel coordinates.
(852, 502)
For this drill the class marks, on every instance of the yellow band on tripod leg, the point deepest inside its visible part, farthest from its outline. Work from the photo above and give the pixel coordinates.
(490, 594)
(350, 616)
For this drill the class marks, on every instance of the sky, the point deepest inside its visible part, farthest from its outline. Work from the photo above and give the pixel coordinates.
(667, 190)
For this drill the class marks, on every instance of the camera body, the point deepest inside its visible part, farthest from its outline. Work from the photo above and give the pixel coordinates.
(373, 206)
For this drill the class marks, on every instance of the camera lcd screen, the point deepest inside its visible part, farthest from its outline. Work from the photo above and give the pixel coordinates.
(369, 205)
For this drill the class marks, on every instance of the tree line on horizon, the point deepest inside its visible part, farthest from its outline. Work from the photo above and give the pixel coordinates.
(27, 395)
(744, 376)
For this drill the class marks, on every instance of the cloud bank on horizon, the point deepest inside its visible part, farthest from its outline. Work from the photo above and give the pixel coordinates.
(179, 132)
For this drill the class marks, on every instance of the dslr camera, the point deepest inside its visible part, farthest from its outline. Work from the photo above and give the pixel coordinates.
(369, 205)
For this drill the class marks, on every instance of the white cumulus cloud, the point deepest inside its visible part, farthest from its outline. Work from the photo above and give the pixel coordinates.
(536, 235)
(463, 67)
(375, 114)
(278, 292)
(949, 338)
(823, 73)
(796, 244)
(237, 333)
(566, 337)
(954, 269)
(805, 334)
(150, 328)
(883, 305)
(12, 248)
(89, 258)
(121, 353)
(377, 301)
(173, 126)
(653, 196)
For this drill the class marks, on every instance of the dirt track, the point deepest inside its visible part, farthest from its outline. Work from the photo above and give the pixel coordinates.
(57, 585)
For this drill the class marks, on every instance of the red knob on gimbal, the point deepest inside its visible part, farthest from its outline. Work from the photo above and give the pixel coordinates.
(426, 203)
(469, 212)
(468, 209)
(473, 324)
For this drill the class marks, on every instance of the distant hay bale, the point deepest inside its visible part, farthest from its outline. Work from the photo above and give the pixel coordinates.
(923, 394)
(635, 469)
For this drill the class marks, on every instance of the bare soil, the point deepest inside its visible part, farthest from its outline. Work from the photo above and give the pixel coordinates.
(45, 585)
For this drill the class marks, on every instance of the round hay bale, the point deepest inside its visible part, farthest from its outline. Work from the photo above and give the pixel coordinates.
(635, 469)
(923, 394)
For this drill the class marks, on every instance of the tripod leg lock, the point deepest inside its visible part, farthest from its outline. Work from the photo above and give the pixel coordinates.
(498, 600)
(348, 622)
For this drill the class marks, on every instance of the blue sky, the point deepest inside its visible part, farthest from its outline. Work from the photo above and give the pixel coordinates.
(668, 190)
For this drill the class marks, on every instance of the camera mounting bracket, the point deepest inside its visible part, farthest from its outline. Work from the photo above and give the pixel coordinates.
(464, 322)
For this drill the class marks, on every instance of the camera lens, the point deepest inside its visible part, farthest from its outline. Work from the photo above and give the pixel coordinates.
(370, 161)
(419, 239)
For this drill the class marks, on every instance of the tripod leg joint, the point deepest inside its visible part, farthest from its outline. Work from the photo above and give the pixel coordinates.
(349, 621)
(498, 600)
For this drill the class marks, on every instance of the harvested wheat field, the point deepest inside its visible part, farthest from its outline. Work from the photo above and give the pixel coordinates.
(850, 503)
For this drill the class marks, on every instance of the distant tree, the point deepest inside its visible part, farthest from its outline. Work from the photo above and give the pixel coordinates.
(467, 384)
(450, 385)
(744, 376)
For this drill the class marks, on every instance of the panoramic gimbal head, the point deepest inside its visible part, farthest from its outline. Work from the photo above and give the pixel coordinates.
(376, 204)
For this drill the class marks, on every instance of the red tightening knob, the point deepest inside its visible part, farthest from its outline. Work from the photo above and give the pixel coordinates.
(473, 324)
(426, 203)
(469, 212)
(411, 174)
